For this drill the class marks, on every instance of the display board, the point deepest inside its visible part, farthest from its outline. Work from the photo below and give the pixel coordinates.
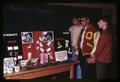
(12, 45)
(63, 43)
(37, 46)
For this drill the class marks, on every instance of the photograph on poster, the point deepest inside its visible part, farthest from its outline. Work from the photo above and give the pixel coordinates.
(43, 58)
(47, 36)
(27, 37)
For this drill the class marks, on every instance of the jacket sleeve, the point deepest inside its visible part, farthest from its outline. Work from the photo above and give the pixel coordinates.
(70, 29)
(95, 41)
(103, 44)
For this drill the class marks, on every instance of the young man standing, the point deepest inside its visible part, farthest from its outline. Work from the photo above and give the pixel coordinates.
(87, 43)
(103, 53)
(75, 31)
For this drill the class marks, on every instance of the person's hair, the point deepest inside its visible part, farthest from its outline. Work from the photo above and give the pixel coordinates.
(105, 19)
(86, 18)
(76, 19)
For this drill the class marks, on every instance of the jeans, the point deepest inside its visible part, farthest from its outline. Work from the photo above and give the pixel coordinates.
(78, 72)
(83, 65)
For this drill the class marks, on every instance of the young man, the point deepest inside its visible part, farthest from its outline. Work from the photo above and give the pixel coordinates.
(75, 30)
(87, 43)
(103, 53)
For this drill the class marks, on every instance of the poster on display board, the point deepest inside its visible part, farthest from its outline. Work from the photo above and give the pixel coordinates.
(27, 44)
(44, 46)
(38, 44)
(11, 52)
(61, 56)
(63, 42)
(12, 45)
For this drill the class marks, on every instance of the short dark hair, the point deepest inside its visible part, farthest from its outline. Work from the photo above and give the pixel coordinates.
(86, 17)
(76, 19)
(104, 18)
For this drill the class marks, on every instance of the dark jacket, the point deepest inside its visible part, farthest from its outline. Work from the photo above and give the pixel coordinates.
(103, 51)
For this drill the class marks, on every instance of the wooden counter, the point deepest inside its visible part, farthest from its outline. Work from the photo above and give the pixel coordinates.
(43, 71)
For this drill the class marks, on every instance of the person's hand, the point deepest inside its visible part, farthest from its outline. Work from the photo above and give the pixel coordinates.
(91, 60)
(92, 56)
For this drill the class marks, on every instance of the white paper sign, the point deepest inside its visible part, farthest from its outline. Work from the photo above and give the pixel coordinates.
(41, 49)
(10, 48)
(48, 49)
(19, 57)
(61, 56)
(15, 58)
(16, 48)
(40, 44)
(8, 62)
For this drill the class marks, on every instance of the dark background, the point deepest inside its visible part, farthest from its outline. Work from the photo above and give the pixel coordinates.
(30, 17)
